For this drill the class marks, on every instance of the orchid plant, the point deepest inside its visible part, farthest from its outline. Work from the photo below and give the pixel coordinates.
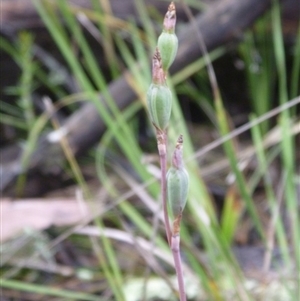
(175, 182)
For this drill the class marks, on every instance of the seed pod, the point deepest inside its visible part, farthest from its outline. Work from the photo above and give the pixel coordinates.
(178, 186)
(177, 182)
(159, 101)
(167, 41)
(168, 45)
(159, 96)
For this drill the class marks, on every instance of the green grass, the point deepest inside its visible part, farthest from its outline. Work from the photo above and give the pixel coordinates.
(207, 233)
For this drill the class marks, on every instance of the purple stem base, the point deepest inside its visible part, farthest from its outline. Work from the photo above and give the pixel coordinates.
(175, 246)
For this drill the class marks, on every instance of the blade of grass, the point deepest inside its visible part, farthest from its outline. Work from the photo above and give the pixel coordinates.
(138, 81)
(133, 214)
(45, 290)
(39, 74)
(112, 271)
(13, 121)
(295, 73)
(263, 163)
(288, 142)
(67, 151)
(103, 8)
(29, 147)
(239, 178)
(231, 214)
(26, 86)
(147, 24)
(126, 140)
(62, 41)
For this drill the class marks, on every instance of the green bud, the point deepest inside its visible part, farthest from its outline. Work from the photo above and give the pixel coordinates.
(167, 45)
(159, 101)
(178, 185)
(167, 41)
(177, 182)
(159, 96)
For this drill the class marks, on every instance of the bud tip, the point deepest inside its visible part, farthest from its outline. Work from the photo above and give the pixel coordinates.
(170, 18)
(158, 75)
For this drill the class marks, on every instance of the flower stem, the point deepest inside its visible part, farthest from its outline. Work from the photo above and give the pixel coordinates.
(178, 267)
(161, 137)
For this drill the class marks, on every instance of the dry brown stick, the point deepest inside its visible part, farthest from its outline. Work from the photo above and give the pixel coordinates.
(222, 23)
(21, 14)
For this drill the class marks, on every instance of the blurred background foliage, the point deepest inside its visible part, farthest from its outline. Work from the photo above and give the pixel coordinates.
(79, 164)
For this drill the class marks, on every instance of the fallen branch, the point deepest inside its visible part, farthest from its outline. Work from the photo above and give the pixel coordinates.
(222, 23)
